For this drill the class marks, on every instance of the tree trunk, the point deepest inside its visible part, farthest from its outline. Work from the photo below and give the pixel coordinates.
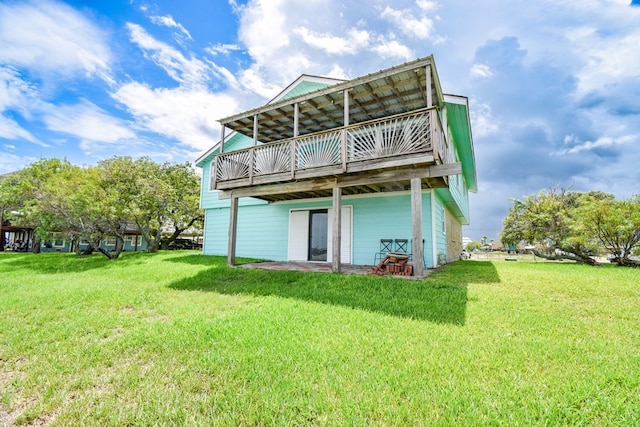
(580, 258)
(152, 246)
(35, 244)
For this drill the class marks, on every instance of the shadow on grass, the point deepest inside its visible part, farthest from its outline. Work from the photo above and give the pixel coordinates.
(440, 298)
(57, 263)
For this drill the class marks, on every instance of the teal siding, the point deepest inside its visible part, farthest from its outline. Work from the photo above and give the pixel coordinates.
(386, 217)
(263, 230)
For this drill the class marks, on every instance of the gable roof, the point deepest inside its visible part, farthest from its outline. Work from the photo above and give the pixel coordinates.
(303, 84)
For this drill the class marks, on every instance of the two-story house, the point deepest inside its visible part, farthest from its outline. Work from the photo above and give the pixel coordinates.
(332, 170)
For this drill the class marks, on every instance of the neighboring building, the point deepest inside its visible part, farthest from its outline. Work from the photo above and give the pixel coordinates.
(133, 242)
(330, 168)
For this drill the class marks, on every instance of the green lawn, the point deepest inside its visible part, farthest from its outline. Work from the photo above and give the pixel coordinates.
(179, 339)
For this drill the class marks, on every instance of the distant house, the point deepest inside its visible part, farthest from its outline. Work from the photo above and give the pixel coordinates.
(331, 170)
(15, 237)
(133, 242)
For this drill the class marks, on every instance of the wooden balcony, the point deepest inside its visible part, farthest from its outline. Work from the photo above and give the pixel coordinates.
(372, 156)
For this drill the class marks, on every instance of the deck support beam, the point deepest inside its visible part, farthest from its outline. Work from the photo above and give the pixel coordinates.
(336, 256)
(233, 227)
(417, 247)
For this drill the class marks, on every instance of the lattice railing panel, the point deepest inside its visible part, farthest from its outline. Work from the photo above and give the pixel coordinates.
(272, 158)
(233, 165)
(318, 150)
(389, 138)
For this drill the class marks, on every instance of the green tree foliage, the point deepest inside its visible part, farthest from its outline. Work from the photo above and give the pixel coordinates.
(474, 246)
(574, 225)
(107, 200)
(616, 224)
(28, 194)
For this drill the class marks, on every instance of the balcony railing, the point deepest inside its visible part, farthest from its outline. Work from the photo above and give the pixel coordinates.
(336, 151)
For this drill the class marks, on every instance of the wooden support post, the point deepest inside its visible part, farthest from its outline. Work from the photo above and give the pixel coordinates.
(233, 227)
(343, 137)
(222, 139)
(428, 86)
(255, 130)
(292, 149)
(417, 248)
(337, 229)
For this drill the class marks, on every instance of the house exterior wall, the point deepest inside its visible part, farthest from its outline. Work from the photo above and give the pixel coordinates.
(263, 229)
(65, 245)
(454, 237)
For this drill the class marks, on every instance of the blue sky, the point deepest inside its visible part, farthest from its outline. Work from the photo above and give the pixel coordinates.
(554, 86)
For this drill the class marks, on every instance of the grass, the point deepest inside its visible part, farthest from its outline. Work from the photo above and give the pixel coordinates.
(179, 339)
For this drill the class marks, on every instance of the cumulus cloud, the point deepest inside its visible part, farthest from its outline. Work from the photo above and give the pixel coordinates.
(353, 42)
(419, 27)
(391, 48)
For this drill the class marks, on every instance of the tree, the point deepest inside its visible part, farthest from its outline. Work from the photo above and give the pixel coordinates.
(107, 200)
(616, 224)
(552, 221)
(28, 191)
(473, 246)
(161, 198)
(182, 201)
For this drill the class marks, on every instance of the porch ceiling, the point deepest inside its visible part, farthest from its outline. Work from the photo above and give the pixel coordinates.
(392, 91)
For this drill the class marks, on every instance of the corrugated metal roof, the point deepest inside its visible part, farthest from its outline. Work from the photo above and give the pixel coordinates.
(395, 90)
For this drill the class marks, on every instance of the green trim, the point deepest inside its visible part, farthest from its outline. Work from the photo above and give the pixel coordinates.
(460, 127)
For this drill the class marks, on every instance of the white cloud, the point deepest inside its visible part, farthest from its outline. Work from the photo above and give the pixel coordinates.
(481, 70)
(352, 43)
(10, 129)
(17, 97)
(168, 21)
(392, 48)
(427, 5)
(87, 121)
(420, 27)
(483, 121)
(576, 146)
(52, 37)
(263, 27)
(183, 70)
(608, 59)
(222, 48)
(186, 115)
